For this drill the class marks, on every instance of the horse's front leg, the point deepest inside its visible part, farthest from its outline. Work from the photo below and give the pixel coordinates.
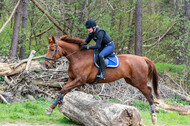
(66, 88)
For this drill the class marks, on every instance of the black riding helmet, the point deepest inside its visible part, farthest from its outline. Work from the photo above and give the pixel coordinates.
(90, 23)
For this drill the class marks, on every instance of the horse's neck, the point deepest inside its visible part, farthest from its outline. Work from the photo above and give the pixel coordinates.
(71, 50)
(81, 58)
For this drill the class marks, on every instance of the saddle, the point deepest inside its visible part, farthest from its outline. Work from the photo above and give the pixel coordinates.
(111, 60)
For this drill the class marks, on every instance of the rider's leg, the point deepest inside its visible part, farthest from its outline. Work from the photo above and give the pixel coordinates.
(105, 52)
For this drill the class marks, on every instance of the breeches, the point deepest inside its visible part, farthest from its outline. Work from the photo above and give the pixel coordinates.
(107, 50)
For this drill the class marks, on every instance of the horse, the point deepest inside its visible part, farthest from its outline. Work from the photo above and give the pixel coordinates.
(136, 70)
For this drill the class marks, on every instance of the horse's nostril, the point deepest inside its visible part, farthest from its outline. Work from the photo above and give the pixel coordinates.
(47, 66)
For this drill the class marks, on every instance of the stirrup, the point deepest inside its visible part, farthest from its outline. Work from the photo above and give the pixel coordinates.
(101, 76)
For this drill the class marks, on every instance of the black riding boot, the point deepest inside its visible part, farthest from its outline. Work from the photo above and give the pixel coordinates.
(102, 68)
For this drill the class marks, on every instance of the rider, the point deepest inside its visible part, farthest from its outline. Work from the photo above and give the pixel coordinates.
(103, 41)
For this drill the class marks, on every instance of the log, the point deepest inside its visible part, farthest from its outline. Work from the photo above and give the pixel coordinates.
(48, 84)
(181, 109)
(8, 69)
(85, 109)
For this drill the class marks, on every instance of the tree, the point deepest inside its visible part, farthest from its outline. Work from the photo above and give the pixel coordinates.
(14, 43)
(182, 45)
(138, 28)
(131, 25)
(24, 24)
(1, 6)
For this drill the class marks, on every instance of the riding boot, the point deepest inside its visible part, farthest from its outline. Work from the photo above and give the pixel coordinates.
(102, 68)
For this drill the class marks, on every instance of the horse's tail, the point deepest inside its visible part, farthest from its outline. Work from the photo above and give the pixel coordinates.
(153, 75)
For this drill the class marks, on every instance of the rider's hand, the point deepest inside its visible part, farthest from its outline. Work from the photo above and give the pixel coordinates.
(83, 47)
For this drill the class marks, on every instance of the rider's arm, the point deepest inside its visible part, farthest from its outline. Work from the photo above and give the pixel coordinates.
(98, 41)
(88, 39)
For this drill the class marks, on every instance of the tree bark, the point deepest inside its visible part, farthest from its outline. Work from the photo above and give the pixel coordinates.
(14, 44)
(131, 37)
(138, 28)
(1, 6)
(24, 24)
(87, 110)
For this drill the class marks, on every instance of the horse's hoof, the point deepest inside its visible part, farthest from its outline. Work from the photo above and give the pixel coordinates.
(49, 110)
(154, 118)
(156, 109)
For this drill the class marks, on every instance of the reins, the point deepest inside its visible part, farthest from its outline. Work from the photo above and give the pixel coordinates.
(71, 53)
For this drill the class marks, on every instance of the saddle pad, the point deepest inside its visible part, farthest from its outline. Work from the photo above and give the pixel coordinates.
(111, 61)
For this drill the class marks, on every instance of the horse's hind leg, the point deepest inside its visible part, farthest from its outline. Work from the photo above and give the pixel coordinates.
(147, 92)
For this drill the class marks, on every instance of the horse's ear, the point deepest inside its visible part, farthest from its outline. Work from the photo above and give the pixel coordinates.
(49, 40)
(53, 39)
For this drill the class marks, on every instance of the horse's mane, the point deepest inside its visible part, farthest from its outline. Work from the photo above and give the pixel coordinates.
(75, 40)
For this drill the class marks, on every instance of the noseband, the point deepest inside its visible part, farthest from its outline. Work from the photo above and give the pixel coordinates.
(57, 49)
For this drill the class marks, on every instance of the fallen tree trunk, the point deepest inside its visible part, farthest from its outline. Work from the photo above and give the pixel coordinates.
(87, 110)
(48, 84)
(8, 69)
(181, 109)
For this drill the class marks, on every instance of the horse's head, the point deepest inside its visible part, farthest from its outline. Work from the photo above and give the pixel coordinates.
(53, 52)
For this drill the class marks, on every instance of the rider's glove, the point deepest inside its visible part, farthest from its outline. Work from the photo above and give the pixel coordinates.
(83, 47)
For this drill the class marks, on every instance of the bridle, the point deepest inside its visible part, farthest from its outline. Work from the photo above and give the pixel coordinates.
(57, 49)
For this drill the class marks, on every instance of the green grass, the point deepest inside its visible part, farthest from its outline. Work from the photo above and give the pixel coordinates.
(31, 113)
(164, 118)
(175, 69)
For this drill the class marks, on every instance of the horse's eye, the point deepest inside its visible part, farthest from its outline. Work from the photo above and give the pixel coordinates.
(52, 50)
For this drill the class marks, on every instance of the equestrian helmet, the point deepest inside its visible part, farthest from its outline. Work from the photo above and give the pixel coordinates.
(90, 23)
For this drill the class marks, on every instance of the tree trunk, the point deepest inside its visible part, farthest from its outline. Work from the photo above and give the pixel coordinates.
(14, 44)
(87, 110)
(24, 24)
(131, 37)
(138, 28)
(183, 42)
(82, 17)
(1, 7)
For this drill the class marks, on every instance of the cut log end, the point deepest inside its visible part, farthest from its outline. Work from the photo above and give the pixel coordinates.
(87, 110)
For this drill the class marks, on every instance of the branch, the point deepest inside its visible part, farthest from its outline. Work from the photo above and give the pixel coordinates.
(6, 79)
(118, 8)
(160, 38)
(50, 17)
(30, 59)
(39, 34)
(26, 60)
(10, 16)
(3, 99)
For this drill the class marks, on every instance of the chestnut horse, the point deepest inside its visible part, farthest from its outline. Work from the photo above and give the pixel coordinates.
(136, 70)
